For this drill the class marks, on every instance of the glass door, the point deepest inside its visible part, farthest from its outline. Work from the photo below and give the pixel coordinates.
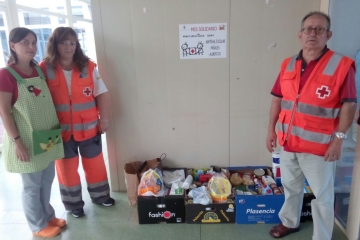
(343, 180)
(353, 212)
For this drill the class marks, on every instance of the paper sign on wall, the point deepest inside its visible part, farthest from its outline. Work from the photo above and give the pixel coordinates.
(203, 40)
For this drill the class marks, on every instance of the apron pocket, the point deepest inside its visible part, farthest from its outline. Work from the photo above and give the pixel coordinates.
(44, 141)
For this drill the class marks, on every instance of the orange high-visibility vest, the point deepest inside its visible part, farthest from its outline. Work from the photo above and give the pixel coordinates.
(78, 116)
(308, 120)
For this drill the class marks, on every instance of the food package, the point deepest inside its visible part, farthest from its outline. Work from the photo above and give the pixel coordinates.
(235, 179)
(268, 180)
(246, 180)
(220, 188)
(176, 189)
(151, 183)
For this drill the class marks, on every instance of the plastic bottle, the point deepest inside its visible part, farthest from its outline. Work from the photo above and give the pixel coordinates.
(188, 181)
(276, 164)
(198, 172)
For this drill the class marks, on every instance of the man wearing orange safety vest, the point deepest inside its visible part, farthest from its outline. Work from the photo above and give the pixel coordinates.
(80, 99)
(314, 102)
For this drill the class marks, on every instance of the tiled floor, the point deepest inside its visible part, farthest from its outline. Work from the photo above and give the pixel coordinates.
(120, 221)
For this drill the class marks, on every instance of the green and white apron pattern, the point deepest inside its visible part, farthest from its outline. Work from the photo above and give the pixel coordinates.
(35, 117)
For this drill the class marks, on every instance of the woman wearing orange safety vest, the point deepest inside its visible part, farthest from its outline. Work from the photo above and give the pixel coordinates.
(81, 102)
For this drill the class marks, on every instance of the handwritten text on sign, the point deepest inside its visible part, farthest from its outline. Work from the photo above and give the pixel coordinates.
(203, 40)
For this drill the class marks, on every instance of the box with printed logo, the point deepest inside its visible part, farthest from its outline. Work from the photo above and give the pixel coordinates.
(252, 209)
(168, 208)
(211, 213)
(306, 214)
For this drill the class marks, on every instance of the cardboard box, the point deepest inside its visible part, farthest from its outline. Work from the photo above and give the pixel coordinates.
(306, 214)
(168, 208)
(252, 209)
(212, 213)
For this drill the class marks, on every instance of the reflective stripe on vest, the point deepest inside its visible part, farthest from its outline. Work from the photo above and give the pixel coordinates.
(84, 72)
(62, 107)
(51, 72)
(291, 65)
(311, 136)
(80, 127)
(306, 135)
(311, 109)
(332, 64)
(287, 105)
(65, 127)
(283, 127)
(83, 106)
(328, 70)
(86, 126)
(76, 107)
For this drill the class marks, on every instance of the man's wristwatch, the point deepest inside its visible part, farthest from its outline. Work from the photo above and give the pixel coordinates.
(340, 135)
(15, 138)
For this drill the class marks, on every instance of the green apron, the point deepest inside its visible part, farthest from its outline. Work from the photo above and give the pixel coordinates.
(35, 117)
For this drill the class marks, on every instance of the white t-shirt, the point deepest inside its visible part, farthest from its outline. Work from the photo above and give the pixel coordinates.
(99, 85)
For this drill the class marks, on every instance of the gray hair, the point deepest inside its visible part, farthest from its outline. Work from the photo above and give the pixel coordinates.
(317, 13)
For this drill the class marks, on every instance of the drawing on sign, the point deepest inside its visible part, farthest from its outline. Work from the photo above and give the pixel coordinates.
(203, 40)
(198, 50)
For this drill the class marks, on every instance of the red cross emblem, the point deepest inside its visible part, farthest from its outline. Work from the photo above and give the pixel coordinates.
(192, 51)
(87, 91)
(323, 92)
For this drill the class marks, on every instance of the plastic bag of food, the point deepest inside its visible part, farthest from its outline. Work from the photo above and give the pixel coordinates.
(220, 188)
(151, 183)
(200, 195)
(171, 177)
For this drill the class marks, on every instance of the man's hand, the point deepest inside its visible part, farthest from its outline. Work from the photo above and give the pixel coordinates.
(334, 151)
(271, 141)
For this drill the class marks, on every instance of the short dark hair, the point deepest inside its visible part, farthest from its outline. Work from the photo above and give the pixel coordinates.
(318, 13)
(16, 35)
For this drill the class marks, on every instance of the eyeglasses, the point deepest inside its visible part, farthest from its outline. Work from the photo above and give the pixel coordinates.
(318, 30)
(68, 43)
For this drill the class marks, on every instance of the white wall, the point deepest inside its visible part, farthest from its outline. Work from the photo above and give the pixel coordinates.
(199, 112)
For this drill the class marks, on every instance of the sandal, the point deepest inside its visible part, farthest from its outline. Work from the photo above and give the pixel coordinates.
(280, 231)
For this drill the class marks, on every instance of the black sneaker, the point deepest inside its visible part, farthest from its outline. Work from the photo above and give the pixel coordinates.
(109, 202)
(78, 213)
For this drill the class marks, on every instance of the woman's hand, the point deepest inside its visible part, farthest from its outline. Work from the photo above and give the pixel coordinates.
(21, 151)
(103, 126)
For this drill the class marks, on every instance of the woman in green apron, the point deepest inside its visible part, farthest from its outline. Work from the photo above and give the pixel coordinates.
(33, 135)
